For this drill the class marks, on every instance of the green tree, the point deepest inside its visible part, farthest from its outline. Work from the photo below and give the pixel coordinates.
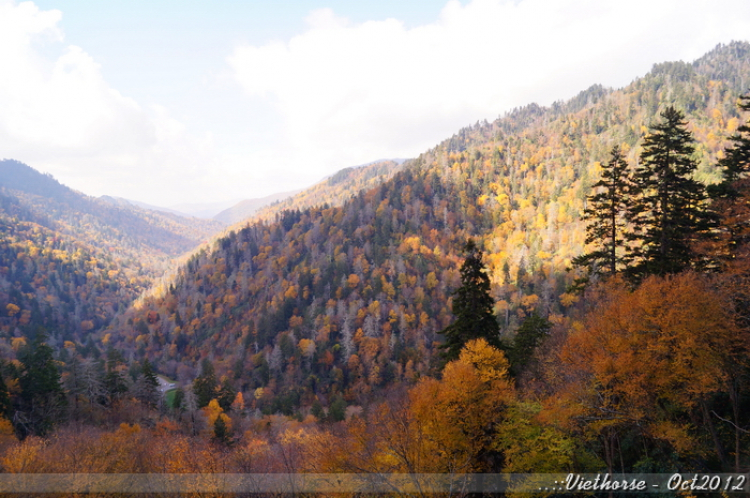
(221, 431)
(226, 395)
(5, 402)
(736, 161)
(178, 401)
(606, 219)
(148, 385)
(529, 335)
(42, 400)
(317, 409)
(472, 307)
(668, 210)
(729, 197)
(337, 410)
(204, 386)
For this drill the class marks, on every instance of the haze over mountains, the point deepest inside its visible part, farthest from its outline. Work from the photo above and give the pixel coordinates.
(333, 190)
(245, 209)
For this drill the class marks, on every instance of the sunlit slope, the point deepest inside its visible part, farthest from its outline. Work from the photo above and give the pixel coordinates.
(69, 262)
(348, 299)
(332, 191)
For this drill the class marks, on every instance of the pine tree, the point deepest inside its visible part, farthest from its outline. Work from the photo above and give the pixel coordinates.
(5, 404)
(178, 401)
(605, 217)
(668, 210)
(221, 431)
(736, 162)
(226, 394)
(148, 385)
(729, 197)
(42, 398)
(337, 409)
(204, 386)
(528, 337)
(472, 307)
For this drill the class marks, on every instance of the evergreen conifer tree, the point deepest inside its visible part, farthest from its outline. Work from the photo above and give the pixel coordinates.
(668, 211)
(178, 401)
(5, 403)
(42, 398)
(225, 395)
(221, 431)
(528, 337)
(337, 409)
(204, 386)
(736, 162)
(605, 217)
(729, 197)
(472, 307)
(148, 385)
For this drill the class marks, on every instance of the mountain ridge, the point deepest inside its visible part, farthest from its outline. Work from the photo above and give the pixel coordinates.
(363, 288)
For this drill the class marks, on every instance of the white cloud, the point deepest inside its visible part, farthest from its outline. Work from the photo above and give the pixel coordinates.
(339, 93)
(58, 114)
(350, 93)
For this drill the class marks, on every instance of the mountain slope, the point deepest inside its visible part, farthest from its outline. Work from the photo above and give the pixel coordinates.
(148, 236)
(334, 190)
(69, 263)
(122, 202)
(245, 209)
(348, 299)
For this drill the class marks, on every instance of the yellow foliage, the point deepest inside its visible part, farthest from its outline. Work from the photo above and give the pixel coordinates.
(291, 292)
(353, 280)
(307, 348)
(22, 457)
(665, 343)
(568, 299)
(212, 412)
(12, 309)
(17, 343)
(457, 413)
(239, 402)
(529, 302)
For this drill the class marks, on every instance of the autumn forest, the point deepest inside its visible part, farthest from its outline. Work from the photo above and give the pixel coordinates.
(563, 289)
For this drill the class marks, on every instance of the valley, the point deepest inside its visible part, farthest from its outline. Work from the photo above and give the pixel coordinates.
(308, 336)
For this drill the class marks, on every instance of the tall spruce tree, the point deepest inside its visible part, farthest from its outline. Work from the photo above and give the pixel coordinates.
(730, 196)
(736, 162)
(472, 307)
(204, 386)
(606, 219)
(668, 211)
(529, 336)
(147, 387)
(41, 402)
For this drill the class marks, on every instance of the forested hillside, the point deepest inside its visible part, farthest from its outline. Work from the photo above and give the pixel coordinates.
(245, 209)
(69, 262)
(333, 191)
(149, 237)
(346, 300)
(359, 333)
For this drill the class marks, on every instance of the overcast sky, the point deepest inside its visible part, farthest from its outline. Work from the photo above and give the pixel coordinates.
(175, 101)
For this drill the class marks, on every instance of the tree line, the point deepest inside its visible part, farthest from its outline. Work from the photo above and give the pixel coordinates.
(657, 218)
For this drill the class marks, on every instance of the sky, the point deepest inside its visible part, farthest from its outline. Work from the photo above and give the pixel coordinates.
(171, 102)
